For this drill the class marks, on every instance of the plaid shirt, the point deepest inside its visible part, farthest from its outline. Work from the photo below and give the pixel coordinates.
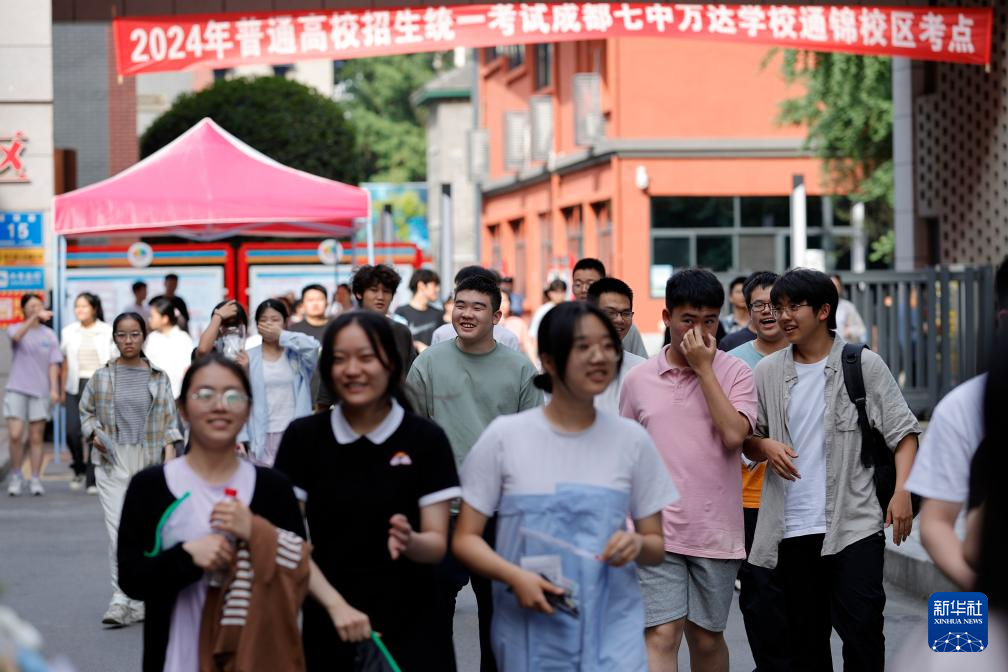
(97, 407)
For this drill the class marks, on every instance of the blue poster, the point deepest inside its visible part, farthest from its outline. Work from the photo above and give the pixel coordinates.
(22, 278)
(957, 622)
(409, 211)
(20, 229)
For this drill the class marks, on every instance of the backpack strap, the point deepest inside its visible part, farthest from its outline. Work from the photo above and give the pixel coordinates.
(854, 382)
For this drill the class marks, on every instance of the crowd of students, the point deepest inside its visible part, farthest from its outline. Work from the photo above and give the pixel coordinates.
(360, 470)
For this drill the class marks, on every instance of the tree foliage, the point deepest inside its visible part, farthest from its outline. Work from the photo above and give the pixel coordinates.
(391, 132)
(847, 109)
(286, 120)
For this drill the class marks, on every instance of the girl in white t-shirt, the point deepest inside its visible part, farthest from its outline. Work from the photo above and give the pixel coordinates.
(562, 480)
(280, 371)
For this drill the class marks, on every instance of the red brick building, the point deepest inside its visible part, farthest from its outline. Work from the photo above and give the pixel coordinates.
(690, 169)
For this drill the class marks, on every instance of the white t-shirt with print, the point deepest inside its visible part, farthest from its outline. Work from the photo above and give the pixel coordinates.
(524, 454)
(805, 498)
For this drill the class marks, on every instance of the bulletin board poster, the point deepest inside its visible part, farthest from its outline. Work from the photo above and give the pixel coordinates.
(201, 287)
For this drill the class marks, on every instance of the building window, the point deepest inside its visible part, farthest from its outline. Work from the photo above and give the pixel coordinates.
(543, 65)
(514, 53)
(575, 232)
(282, 70)
(520, 265)
(545, 250)
(603, 228)
(732, 234)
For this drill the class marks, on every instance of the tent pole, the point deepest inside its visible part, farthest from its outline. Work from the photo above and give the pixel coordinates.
(59, 301)
(370, 231)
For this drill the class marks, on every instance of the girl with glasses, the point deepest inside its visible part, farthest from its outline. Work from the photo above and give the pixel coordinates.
(194, 529)
(377, 482)
(127, 413)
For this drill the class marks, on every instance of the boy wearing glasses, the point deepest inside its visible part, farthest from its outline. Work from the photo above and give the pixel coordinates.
(820, 525)
(698, 404)
(615, 298)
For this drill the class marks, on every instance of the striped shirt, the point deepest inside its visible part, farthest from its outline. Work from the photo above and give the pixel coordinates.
(88, 360)
(132, 403)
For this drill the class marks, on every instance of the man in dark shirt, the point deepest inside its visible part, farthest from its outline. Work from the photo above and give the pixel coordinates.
(420, 315)
(315, 300)
(170, 286)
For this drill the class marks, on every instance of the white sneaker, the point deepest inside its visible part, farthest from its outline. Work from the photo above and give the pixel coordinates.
(14, 487)
(77, 482)
(35, 488)
(117, 615)
(92, 490)
(136, 613)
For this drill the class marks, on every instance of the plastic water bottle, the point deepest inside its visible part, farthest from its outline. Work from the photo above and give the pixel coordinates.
(218, 577)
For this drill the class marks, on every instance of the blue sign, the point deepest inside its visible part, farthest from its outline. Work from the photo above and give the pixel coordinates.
(957, 622)
(22, 278)
(20, 229)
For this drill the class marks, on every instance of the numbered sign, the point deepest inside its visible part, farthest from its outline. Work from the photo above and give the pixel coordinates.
(20, 229)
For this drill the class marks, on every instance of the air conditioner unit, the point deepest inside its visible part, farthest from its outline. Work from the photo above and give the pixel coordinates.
(541, 116)
(479, 154)
(516, 125)
(589, 124)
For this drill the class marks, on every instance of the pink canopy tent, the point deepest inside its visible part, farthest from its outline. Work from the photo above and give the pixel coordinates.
(206, 185)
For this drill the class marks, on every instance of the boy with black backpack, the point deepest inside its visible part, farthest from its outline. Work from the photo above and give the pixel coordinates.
(821, 520)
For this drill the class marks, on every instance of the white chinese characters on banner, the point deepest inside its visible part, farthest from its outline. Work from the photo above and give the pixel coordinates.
(223, 41)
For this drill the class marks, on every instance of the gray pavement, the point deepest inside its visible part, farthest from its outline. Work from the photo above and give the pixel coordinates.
(54, 573)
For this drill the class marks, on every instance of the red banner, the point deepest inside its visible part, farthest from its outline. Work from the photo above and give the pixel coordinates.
(157, 44)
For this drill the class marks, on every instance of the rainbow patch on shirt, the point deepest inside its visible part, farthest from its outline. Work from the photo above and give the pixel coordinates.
(400, 459)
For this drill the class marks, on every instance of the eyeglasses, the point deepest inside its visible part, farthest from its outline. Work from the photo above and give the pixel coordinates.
(787, 310)
(627, 315)
(129, 336)
(760, 306)
(233, 399)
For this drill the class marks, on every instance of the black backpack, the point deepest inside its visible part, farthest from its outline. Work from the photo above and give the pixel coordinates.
(874, 451)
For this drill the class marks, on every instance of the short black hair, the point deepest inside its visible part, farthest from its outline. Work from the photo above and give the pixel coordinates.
(378, 330)
(368, 276)
(424, 275)
(737, 280)
(171, 276)
(757, 280)
(25, 298)
(483, 285)
(315, 287)
(589, 263)
(469, 271)
(137, 285)
(608, 286)
(275, 304)
(814, 287)
(696, 287)
(165, 307)
(557, 332)
(557, 285)
(1001, 284)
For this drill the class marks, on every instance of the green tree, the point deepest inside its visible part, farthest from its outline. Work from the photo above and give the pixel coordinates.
(286, 120)
(847, 108)
(391, 130)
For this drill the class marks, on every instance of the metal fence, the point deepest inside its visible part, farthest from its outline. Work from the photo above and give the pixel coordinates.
(933, 327)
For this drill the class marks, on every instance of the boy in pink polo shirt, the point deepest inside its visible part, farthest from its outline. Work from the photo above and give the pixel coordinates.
(699, 405)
